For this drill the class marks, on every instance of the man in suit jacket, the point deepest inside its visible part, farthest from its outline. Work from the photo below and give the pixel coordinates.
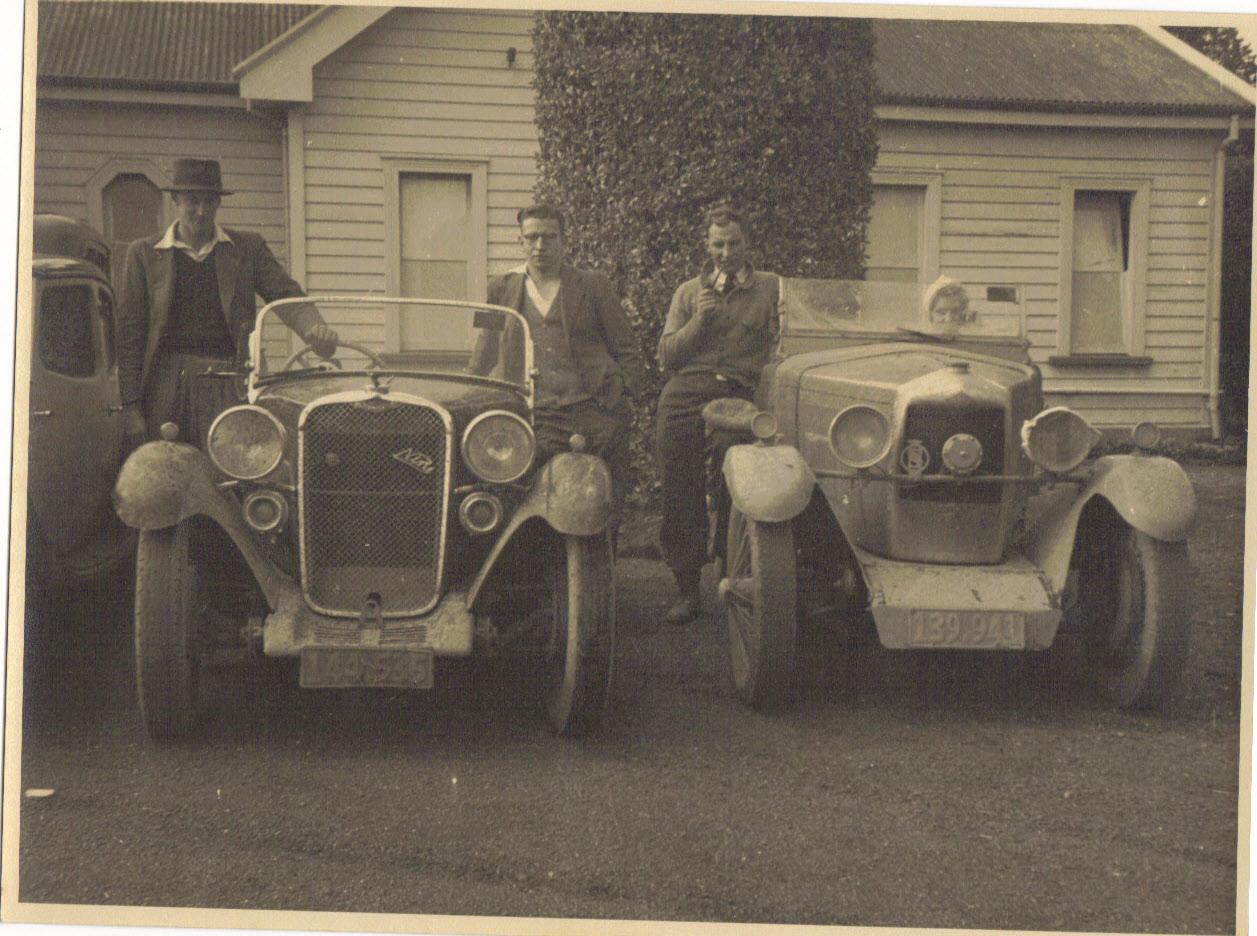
(585, 352)
(187, 306)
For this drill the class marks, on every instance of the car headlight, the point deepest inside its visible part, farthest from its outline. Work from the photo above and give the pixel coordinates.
(246, 442)
(498, 446)
(859, 436)
(1058, 439)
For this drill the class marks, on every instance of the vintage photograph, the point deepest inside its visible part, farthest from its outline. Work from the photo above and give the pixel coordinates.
(603, 471)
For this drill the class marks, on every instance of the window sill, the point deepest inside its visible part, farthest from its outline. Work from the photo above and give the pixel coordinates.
(1099, 360)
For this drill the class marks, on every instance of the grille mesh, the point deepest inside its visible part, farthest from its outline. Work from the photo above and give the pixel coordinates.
(373, 496)
(933, 424)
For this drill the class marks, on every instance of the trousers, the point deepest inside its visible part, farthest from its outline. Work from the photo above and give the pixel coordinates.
(606, 433)
(181, 392)
(683, 449)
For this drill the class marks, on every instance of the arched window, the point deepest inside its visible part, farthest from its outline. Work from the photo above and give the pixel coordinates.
(132, 208)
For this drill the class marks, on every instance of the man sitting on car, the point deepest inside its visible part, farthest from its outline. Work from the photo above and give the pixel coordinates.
(719, 333)
(585, 353)
(187, 304)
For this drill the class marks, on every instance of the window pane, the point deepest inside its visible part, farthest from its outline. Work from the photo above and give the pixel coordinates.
(895, 230)
(435, 259)
(1098, 289)
(65, 331)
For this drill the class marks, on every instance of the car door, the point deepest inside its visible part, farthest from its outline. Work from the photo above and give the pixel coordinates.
(75, 427)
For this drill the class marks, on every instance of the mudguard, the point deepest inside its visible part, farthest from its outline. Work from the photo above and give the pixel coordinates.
(164, 483)
(768, 483)
(572, 493)
(1152, 494)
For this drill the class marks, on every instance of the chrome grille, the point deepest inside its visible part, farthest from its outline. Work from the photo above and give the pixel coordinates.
(374, 488)
(933, 424)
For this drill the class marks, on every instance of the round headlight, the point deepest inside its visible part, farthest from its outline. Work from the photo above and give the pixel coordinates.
(859, 436)
(1058, 439)
(962, 453)
(265, 511)
(246, 442)
(498, 446)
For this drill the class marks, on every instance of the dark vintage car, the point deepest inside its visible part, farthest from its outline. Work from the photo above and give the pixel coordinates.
(373, 514)
(73, 537)
(906, 466)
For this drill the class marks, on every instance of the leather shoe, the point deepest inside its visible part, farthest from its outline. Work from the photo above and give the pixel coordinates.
(683, 610)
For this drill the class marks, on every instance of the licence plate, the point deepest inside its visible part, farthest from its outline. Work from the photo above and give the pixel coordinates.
(967, 630)
(369, 667)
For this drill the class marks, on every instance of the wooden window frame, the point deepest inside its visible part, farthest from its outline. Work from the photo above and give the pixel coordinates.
(928, 247)
(1134, 317)
(477, 172)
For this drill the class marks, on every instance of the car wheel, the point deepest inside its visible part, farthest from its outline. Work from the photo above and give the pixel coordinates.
(167, 653)
(761, 608)
(1133, 595)
(582, 634)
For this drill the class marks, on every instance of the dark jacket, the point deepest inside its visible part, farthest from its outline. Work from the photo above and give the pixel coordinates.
(599, 336)
(246, 268)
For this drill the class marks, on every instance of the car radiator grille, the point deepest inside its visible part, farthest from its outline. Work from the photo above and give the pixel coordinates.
(933, 424)
(374, 485)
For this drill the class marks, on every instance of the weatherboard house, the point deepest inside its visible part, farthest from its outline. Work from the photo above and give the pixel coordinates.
(387, 149)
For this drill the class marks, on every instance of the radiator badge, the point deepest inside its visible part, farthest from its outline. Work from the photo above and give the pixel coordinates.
(420, 461)
(915, 457)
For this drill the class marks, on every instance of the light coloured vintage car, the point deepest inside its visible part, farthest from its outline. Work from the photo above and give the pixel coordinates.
(372, 515)
(73, 536)
(906, 466)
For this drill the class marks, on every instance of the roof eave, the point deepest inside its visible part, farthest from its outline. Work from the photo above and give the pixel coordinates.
(1067, 107)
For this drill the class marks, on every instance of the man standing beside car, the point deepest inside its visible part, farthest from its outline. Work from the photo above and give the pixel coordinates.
(585, 353)
(187, 305)
(719, 333)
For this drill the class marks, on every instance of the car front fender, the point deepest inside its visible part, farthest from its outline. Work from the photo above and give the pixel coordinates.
(1152, 494)
(768, 483)
(572, 494)
(164, 483)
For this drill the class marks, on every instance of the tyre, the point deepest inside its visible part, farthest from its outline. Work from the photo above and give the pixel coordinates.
(761, 608)
(167, 652)
(1132, 595)
(582, 634)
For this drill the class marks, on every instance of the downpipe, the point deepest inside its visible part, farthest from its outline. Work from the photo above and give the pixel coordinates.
(1214, 294)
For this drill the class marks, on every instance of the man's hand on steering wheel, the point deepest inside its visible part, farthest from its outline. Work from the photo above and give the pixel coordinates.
(322, 339)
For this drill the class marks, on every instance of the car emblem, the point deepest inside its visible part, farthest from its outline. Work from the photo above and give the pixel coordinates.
(915, 457)
(420, 461)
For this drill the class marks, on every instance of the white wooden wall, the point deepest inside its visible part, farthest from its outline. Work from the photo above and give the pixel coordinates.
(76, 142)
(1001, 197)
(418, 84)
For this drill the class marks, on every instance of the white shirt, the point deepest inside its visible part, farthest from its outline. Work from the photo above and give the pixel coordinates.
(534, 292)
(171, 241)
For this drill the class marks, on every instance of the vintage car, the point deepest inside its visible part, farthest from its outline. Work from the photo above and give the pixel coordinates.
(373, 514)
(73, 535)
(905, 466)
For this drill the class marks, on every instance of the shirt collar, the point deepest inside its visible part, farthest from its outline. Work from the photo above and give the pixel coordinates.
(170, 241)
(716, 279)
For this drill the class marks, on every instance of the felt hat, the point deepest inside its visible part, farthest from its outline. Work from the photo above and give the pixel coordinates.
(198, 175)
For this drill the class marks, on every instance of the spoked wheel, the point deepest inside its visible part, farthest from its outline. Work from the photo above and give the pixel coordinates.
(167, 645)
(762, 610)
(1132, 599)
(582, 636)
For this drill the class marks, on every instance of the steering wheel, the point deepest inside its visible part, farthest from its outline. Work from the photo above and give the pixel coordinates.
(377, 362)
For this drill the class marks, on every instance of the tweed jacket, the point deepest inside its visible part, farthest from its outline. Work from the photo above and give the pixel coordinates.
(245, 268)
(599, 336)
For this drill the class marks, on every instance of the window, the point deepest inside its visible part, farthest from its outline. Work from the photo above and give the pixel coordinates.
(903, 228)
(132, 209)
(65, 331)
(437, 232)
(1103, 269)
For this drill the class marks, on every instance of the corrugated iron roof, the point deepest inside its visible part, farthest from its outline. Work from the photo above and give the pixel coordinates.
(145, 44)
(1040, 66)
(1018, 66)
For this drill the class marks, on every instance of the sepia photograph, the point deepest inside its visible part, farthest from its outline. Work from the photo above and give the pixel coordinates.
(650, 468)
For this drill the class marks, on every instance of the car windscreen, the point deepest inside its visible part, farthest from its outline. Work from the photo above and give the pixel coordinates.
(943, 309)
(397, 335)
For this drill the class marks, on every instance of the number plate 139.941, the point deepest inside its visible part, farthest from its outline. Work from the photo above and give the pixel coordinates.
(967, 630)
(370, 667)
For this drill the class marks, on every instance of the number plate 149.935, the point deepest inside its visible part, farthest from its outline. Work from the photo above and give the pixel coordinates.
(967, 630)
(369, 667)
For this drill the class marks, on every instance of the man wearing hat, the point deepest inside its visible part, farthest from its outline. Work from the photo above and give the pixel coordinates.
(187, 306)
